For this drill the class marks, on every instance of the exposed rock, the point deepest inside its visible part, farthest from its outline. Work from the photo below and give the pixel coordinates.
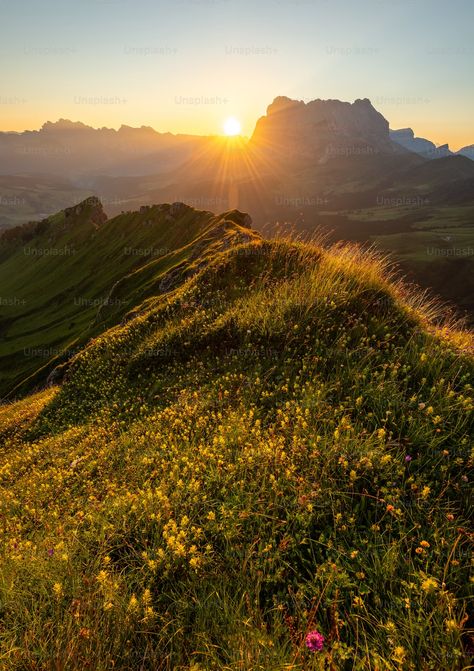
(178, 209)
(467, 151)
(58, 374)
(323, 129)
(405, 137)
(92, 207)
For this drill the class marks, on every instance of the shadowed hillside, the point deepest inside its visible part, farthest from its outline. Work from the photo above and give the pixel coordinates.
(70, 276)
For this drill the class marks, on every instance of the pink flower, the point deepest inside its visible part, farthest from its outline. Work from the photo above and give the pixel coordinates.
(315, 641)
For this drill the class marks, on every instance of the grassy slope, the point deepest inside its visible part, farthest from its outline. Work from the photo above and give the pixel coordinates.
(434, 245)
(228, 470)
(74, 278)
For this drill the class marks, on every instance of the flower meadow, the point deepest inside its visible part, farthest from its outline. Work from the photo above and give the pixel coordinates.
(268, 467)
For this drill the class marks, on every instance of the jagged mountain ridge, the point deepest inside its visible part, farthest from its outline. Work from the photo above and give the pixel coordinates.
(405, 137)
(322, 129)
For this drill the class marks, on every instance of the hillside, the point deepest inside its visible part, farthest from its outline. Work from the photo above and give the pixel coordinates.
(276, 444)
(68, 277)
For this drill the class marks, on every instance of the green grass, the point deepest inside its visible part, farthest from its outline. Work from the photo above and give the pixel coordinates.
(433, 245)
(227, 470)
(72, 279)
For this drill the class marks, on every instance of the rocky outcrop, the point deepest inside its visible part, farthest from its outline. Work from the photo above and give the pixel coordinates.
(467, 151)
(405, 137)
(323, 129)
(91, 208)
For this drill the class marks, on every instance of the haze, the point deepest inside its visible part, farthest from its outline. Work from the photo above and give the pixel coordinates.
(186, 66)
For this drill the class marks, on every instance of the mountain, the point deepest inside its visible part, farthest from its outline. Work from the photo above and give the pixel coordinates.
(322, 129)
(321, 150)
(269, 439)
(405, 137)
(323, 165)
(69, 276)
(77, 151)
(467, 151)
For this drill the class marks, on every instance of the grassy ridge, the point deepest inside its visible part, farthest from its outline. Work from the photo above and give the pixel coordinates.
(68, 278)
(278, 445)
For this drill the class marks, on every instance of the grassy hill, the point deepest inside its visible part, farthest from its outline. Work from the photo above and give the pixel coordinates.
(70, 276)
(433, 245)
(274, 445)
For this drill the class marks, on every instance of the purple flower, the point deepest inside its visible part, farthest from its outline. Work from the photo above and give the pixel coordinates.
(315, 641)
(50, 552)
(408, 458)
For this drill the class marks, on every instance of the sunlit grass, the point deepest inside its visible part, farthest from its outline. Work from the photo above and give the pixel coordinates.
(280, 445)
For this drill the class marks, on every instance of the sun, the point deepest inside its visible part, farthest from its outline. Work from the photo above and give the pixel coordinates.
(232, 127)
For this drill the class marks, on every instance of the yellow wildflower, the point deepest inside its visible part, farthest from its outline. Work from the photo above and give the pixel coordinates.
(58, 589)
(429, 585)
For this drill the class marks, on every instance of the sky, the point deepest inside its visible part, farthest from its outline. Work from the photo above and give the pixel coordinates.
(185, 66)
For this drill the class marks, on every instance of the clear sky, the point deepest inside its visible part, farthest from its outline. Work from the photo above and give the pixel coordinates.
(187, 65)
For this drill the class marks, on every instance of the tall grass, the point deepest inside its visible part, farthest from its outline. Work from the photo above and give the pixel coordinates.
(279, 446)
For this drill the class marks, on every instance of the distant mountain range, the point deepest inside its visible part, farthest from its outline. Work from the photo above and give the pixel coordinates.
(405, 137)
(321, 129)
(75, 150)
(325, 164)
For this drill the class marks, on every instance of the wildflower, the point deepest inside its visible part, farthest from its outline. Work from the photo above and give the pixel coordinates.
(357, 602)
(148, 614)
(57, 589)
(133, 603)
(381, 433)
(425, 492)
(408, 458)
(314, 641)
(425, 544)
(102, 577)
(451, 625)
(50, 552)
(419, 551)
(429, 585)
(399, 654)
(194, 562)
(108, 606)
